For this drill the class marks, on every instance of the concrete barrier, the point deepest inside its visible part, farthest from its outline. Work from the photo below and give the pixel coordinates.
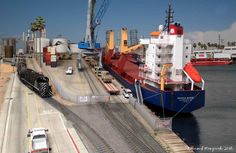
(155, 122)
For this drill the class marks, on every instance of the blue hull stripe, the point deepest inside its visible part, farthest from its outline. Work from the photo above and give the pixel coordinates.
(183, 101)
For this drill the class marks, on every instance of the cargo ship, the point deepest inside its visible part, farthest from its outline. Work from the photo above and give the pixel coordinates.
(166, 78)
(211, 58)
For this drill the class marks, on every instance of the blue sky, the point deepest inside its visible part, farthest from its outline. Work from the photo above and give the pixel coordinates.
(68, 17)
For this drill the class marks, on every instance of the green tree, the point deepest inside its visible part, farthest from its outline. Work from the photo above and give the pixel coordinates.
(209, 44)
(40, 24)
(199, 45)
(194, 45)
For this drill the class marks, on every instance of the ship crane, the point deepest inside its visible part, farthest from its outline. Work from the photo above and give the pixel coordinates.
(89, 42)
(124, 49)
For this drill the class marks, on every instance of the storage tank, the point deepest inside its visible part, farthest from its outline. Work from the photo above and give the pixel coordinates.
(74, 48)
(62, 48)
(60, 40)
(44, 43)
(9, 47)
(9, 50)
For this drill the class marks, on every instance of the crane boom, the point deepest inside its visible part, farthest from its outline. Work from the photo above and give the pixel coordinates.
(101, 12)
(89, 41)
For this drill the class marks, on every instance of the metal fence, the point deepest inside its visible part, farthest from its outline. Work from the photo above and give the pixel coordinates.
(155, 122)
(75, 97)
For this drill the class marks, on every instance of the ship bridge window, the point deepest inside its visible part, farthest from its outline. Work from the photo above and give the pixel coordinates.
(233, 48)
(227, 48)
(125, 43)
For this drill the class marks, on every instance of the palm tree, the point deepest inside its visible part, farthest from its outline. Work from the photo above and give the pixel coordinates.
(209, 44)
(33, 28)
(199, 44)
(40, 23)
(194, 45)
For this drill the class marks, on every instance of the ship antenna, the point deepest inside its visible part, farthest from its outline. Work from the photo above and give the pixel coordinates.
(169, 18)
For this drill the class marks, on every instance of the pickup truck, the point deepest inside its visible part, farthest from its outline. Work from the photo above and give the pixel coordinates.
(39, 140)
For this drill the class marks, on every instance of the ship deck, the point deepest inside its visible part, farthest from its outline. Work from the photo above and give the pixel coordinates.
(131, 69)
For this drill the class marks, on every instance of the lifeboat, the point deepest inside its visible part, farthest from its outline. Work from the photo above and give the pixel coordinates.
(193, 73)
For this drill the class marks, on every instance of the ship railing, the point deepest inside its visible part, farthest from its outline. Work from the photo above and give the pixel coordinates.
(192, 82)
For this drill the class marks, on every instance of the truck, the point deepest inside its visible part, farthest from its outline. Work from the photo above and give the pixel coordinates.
(39, 140)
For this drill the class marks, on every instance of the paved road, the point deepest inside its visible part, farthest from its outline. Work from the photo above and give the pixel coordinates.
(28, 111)
(106, 127)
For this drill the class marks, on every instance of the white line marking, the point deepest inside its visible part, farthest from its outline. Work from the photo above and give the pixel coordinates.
(8, 117)
(67, 132)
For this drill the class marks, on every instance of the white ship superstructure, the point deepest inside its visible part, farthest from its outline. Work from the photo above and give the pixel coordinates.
(169, 49)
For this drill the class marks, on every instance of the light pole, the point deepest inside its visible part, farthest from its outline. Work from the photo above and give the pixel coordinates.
(40, 63)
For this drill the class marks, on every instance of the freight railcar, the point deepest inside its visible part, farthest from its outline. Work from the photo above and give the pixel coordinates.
(35, 81)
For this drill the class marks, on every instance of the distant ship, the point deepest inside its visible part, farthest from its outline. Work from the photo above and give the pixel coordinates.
(211, 58)
(166, 78)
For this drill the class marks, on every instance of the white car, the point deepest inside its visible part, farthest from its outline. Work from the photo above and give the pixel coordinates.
(69, 70)
(39, 140)
(127, 93)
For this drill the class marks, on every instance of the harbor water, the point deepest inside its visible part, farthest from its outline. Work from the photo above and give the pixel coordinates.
(213, 127)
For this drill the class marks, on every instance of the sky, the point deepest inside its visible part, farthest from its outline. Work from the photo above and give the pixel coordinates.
(203, 20)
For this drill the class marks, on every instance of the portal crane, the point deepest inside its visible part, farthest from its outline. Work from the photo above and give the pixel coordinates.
(89, 42)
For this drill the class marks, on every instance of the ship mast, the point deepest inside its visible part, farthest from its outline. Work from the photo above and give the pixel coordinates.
(169, 18)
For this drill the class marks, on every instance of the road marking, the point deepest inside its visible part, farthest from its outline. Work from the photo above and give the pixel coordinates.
(69, 135)
(76, 148)
(48, 112)
(37, 108)
(8, 116)
(28, 115)
(27, 106)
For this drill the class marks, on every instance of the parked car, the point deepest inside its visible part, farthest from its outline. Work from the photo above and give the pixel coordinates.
(69, 70)
(127, 93)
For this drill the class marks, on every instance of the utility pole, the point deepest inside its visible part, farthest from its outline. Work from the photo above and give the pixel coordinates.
(219, 39)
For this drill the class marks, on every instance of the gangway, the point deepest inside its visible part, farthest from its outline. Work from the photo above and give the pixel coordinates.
(138, 91)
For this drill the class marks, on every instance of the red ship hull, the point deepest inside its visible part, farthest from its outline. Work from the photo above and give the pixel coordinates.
(210, 62)
(184, 101)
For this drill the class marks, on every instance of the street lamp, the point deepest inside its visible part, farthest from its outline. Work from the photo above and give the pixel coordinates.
(40, 51)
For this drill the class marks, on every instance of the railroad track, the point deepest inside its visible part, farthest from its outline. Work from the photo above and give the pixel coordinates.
(135, 135)
(128, 119)
(90, 81)
(99, 143)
